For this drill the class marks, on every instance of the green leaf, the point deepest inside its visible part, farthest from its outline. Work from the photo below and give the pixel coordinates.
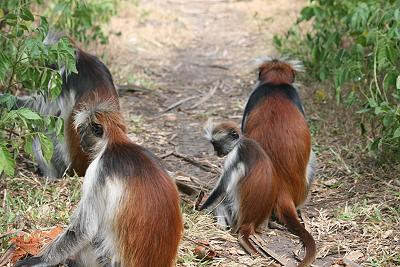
(28, 114)
(396, 133)
(389, 81)
(59, 126)
(375, 145)
(47, 146)
(307, 13)
(398, 82)
(28, 145)
(7, 100)
(27, 15)
(7, 163)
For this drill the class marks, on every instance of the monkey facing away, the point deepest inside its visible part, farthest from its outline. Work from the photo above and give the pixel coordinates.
(246, 185)
(129, 212)
(93, 78)
(274, 117)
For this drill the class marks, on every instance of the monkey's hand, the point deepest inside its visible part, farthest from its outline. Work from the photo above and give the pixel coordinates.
(198, 200)
(32, 261)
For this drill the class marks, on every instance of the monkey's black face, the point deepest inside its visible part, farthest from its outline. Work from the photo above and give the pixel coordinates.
(223, 144)
(90, 135)
(219, 149)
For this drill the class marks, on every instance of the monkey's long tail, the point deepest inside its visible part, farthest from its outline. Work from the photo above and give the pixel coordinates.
(286, 212)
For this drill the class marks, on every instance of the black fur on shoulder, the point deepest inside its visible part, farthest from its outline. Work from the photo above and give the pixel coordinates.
(268, 89)
(127, 160)
(92, 74)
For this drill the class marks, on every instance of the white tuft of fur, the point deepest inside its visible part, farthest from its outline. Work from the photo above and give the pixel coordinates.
(81, 117)
(310, 172)
(208, 130)
(98, 106)
(297, 65)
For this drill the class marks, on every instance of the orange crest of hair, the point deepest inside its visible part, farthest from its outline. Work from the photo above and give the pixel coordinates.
(277, 71)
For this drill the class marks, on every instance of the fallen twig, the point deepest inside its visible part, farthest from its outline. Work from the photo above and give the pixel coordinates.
(180, 102)
(350, 263)
(264, 251)
(204, 166)
(7, 256)
(214, 66)
(166, 154)
(185, 188)
(132, 88)
(207, 96)
(305, 220)
(12, 232)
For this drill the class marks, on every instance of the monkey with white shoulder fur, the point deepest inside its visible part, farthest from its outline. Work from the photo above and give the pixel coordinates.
(246, 184)
(129, 212)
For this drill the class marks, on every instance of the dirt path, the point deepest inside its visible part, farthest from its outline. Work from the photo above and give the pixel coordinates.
(200, 52)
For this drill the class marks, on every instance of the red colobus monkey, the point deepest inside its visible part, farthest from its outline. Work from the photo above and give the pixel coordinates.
(274, 117)
(93, 78)
(129, 211)
(247, 183)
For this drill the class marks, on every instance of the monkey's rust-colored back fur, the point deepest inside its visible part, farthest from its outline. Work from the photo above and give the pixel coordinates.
(148, 223)
(281, 130)
(79, 160)
(257, 193)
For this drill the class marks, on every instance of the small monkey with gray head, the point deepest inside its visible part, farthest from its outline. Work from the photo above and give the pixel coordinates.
(246, 183)
(129, 211)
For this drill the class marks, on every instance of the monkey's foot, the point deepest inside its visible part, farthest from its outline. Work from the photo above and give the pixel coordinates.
(247, 246)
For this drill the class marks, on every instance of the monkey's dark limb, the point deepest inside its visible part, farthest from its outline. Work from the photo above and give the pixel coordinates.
(31, 261)
(198, 200)
(217, 193)
(264, 251)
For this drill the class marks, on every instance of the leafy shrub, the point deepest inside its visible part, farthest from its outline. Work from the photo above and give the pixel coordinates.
(23, 66)
(355, 44)
(82, 19)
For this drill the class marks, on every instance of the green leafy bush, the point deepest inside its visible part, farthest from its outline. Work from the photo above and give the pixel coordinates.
(23, 66)
(82, 19)
(356, 45)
